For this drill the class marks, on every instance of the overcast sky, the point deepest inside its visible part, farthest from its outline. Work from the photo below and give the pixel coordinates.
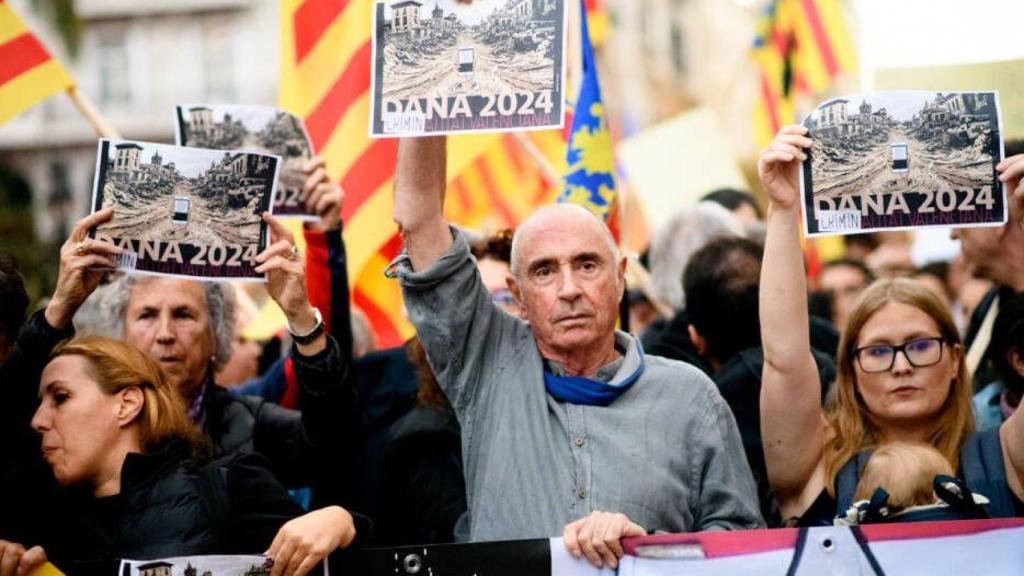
(254, 118)
(470, 15)
(911, 33)
(190, 162)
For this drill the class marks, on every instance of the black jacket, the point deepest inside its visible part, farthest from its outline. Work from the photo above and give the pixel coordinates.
(986, 371)
(299, 444)
(424, 491)
(671, 339)
(22, 472)
(739, 382)
(171, 507)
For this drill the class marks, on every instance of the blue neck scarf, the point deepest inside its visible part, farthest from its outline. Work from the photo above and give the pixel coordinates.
(587, 391)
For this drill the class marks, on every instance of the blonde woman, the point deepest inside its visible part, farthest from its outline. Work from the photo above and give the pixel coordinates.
(133, 482)
(901, 374)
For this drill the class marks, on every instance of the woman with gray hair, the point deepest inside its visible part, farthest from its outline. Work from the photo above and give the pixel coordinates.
(685, 233)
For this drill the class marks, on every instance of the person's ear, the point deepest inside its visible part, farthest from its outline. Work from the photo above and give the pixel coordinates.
(956, 351)
(517, 298)
(131, 401)
(698, 341)
(1016, 361)
(623, 265)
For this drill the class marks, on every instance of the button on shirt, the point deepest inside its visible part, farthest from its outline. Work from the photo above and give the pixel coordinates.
(666, 453)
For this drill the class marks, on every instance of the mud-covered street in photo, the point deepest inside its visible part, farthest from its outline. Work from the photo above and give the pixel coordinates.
(428, 74)
(150, 218)
(929, 168)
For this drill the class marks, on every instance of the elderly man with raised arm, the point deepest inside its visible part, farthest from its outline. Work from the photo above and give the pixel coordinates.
(567, 427)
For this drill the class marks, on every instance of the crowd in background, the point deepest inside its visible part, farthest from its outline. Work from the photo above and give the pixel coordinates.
(751, 390)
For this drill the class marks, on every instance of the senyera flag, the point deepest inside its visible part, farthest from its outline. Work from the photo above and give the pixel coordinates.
(494, 180)
(28, 73)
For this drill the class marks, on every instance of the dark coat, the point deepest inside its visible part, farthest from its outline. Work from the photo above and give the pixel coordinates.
(424, 490)
(164, 509)
(986, 371)
(739, 382)
(298, 444)
(671, 339)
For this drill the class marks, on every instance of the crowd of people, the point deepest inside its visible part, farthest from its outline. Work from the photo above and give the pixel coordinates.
(750, 391)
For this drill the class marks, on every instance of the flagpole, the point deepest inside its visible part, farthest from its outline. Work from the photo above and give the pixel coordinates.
(89, 111)
(547, 169)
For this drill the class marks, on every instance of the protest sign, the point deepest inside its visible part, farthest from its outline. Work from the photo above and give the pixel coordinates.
(906, 159)
(184, 211)
(260, 129)
(206, 566)
(950, 547)
(449, 67)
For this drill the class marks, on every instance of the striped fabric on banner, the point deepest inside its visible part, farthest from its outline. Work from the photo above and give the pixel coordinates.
(28, 73)
(325, 79)
(802, 47)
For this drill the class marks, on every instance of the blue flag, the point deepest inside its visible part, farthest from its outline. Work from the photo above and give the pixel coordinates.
(590, 180)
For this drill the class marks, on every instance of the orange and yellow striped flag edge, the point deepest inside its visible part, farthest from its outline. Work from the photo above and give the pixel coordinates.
(28, 74)
(802, 47)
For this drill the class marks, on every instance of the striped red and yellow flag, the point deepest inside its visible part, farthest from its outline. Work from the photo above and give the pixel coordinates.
(325, 79)
(28, 73)
(802, 48)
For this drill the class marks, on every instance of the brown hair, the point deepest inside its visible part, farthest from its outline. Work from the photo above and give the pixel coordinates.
(115, 366)
(497, 247)
(853, 426)
(906, 470)
(429, 392)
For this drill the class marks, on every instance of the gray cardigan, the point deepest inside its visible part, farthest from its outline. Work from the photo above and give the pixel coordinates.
(666, 453)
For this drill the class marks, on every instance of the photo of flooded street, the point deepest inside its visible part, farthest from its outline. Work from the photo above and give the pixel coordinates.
(260, 129)
(203, 207)
(486, 60)
(436, 73)
(933, 168)
(898, 152)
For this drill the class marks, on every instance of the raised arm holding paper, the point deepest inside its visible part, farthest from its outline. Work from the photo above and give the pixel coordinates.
(561, 404)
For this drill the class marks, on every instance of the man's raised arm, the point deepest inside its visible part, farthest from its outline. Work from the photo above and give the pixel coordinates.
(420, 182)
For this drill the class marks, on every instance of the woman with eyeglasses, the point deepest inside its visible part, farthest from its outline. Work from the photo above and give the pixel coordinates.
(901, 375)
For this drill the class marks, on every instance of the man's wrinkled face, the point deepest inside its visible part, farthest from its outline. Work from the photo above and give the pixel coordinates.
(168, 318)
(568, 284)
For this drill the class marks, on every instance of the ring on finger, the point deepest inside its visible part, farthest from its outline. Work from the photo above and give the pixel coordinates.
(294, 253)
(80, 249)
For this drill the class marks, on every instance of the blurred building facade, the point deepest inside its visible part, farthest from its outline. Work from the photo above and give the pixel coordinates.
(137, 60)
(665, 56)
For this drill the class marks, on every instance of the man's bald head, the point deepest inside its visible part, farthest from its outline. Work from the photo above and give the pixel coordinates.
(558, 217)
(567, 281)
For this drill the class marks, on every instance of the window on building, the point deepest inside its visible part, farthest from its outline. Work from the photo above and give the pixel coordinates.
(112, 67)
(677, 44)
(218, 60)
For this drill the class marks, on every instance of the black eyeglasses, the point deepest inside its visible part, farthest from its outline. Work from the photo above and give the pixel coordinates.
(919, 352)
